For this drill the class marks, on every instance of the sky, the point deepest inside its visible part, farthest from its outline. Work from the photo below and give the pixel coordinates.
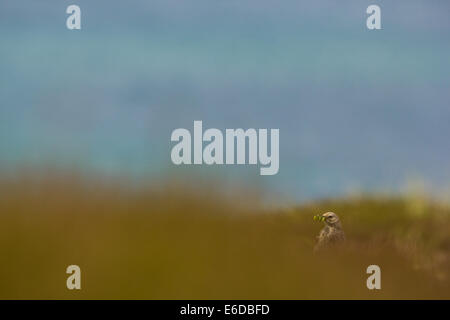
(356, 109)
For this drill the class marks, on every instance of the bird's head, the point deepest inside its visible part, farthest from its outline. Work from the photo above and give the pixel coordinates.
(331, 219)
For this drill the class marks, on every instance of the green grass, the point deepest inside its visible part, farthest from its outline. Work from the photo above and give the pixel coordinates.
(186, 243)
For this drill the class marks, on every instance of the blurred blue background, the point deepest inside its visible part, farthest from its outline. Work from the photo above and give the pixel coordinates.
(355, 108)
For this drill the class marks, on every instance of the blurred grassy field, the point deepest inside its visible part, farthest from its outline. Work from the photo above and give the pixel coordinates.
(177, 242)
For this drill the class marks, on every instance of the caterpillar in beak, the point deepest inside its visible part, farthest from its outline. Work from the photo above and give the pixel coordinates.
(319, 218)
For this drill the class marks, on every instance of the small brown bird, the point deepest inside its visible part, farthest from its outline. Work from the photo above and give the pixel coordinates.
(332, 233)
